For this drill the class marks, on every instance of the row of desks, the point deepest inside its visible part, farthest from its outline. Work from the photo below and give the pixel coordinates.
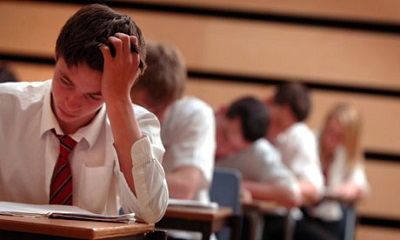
(206, 221)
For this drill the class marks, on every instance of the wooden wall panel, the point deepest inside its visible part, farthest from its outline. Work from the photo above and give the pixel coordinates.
(27, 72)
(378, 112)
(376, 233)
(232, 46)
(383, 200)
(30, 28)
(367, 10)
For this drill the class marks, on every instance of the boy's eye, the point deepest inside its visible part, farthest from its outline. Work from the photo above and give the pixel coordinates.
(94, 97)
(65, 81)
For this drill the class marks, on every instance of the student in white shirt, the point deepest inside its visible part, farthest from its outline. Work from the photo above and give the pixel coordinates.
(117, 159)
(290, 106)
(343, 167)
(187, 126)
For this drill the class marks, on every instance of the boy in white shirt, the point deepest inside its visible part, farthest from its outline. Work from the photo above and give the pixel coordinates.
(116, 161)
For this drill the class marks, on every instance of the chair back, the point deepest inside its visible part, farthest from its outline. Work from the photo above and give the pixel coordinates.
(225, 190)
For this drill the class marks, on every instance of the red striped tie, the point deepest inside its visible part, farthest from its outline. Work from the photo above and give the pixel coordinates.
(61, 182)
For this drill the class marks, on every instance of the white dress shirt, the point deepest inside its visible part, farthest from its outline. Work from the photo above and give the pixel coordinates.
(188, 135)
(29, 153)
(298, 148)
(338, 174)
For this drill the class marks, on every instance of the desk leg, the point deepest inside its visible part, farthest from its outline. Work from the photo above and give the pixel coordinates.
(206, 231)
(236, 227)
(256, 224)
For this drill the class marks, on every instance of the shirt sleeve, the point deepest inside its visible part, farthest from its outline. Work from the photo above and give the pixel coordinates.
(151, 200)
(359, 177)
(194, 142)
(273, 170)
(305, 161)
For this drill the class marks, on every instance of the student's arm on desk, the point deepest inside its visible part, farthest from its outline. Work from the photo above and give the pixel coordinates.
(184, 182)
(309, 193)
(348, 192)
(273, 192)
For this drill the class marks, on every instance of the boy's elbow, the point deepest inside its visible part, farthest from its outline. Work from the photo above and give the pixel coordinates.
(156, 209)
(294, 199)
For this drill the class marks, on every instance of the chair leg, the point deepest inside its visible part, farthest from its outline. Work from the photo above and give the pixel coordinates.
(351, 222)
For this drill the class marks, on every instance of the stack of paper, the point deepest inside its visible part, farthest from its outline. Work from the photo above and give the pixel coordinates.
(59, 211)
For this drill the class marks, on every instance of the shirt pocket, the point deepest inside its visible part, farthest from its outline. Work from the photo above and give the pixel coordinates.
(95, 187)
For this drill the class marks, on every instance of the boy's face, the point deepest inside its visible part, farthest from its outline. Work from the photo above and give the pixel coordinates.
(230, 137)
(280, 118)
(76, 95)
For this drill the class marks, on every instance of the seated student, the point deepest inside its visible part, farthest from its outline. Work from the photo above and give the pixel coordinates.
(81, 127)
(289, 108)
(241, 145)
(187, 126)
(342, 165)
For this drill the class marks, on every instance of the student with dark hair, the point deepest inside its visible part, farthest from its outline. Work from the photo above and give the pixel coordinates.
(241, 129)
(295, 141)
(81, 129)
(290, 107)
(250, 120)
(241, 145)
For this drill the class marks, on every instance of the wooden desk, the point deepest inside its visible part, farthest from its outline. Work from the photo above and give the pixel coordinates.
(13, 227)
(255, 210)
(204, 220)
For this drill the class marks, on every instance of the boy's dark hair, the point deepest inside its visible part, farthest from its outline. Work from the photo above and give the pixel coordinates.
(253, 115)
(296, 96)
(166, 69)
(7, 74)
(79, 39)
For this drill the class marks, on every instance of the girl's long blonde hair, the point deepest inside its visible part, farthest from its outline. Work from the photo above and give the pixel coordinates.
(350, 119)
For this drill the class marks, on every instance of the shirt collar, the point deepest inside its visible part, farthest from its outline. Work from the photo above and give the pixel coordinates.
(48, 119)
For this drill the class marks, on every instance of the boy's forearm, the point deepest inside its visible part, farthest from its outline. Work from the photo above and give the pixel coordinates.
(126, 132)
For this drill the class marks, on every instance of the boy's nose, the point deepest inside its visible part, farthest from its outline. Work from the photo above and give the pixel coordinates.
(73, 102)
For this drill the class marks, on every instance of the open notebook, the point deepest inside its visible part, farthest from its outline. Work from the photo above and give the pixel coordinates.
(59, 211)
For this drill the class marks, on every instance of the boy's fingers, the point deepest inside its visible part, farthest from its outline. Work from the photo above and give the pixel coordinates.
(134, 44)
(105, 50)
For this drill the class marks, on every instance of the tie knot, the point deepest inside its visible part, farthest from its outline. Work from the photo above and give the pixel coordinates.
(67, 144)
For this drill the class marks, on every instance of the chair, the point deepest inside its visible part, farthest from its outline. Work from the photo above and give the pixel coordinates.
(225, 190)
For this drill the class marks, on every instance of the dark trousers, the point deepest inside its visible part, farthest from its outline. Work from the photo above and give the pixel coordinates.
(310, 227)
